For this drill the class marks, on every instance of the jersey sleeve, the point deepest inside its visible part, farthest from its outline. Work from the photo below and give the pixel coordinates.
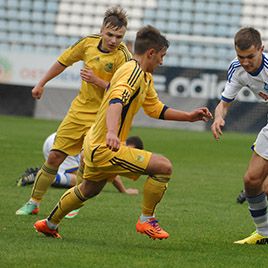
(74, 53)
(152, 106)
(123, 56)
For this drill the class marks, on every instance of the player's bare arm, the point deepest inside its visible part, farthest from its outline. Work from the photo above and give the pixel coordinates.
(112, 122)
(219, 122)
(54, 70)
(118, 184)
(177, 115)
(88, 76)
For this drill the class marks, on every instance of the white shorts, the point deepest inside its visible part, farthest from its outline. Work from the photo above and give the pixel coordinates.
(261, 143)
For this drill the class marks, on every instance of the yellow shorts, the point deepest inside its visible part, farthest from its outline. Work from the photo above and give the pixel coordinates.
(70, 136)
(102, 163)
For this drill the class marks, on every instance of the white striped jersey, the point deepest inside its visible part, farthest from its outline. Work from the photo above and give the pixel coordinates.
(237, 78)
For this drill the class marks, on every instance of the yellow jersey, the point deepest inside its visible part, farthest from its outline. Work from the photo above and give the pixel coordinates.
(134, 88)
(104, 64)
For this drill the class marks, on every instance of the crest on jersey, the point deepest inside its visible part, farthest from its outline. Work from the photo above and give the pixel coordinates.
(265, 87)
(140, 158)
(108, 67)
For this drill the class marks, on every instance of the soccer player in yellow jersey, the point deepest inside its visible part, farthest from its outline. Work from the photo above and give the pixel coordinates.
(105, 153)
(102, 55)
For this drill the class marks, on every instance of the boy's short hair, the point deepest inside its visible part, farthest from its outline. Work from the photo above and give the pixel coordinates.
(247, 37)
(115, 17)
(149, 37)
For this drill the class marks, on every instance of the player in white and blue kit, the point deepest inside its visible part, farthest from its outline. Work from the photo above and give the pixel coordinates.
(66, 175)
(249, 69)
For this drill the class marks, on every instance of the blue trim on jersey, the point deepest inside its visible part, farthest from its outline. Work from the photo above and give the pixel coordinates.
(265, 61)
(71, 170)
(226, 100)
(115, 101)
(259, 69)
(57, 180)
(234, 65)
(162, 115)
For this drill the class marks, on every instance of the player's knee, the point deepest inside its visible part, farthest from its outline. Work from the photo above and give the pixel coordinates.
(55, 158)
(167, 167)
(252, 182)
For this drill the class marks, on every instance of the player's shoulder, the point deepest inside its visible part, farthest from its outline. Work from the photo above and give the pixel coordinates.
(122, 48)
(95, 38)
(132, 66)
(265, 59)
(234, 68)
(130, 71)
(92, 38)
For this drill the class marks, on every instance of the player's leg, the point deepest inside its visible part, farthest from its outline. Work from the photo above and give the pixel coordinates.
(80, 171)
(160, 170)
(72, 199)
(79, 179)
(44, 179)
(68, 141)
(257, 199)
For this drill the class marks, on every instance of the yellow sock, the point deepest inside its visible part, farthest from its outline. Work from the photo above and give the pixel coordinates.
(153, 192)
(70, 200)
(79, 175)
(44, 179)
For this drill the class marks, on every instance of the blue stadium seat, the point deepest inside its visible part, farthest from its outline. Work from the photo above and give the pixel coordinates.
(3, 24)
(10, 3)
(173, 15)
(52, 6)
(185, 28)
(161, 14)
(39, 5)
(172, 27)
(199, 17)
(198, 29)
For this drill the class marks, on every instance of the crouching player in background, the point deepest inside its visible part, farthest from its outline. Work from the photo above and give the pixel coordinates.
(66, 176)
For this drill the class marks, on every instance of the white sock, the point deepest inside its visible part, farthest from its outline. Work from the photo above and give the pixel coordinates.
(34, 202)
(51, 225)
(144, 218)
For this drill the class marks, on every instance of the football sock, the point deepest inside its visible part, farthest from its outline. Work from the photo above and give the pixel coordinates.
(258, 211)
(51, 225)
(144, 218)
(34, 202)
(44, 179)
(70, 200)
(79, 175)
(153, 192)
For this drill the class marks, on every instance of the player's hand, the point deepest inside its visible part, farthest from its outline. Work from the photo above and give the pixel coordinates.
(202, 114)
(37, 92)
(216, 127)
(112, 141)
(132, 191)
(88, 75)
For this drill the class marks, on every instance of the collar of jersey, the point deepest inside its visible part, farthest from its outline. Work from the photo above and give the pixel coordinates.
(100, 49)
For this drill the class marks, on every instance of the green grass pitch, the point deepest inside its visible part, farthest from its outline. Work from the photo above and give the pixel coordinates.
(198, 210)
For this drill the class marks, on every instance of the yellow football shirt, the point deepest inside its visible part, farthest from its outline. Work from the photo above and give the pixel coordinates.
(104, 64)
(132, 87)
